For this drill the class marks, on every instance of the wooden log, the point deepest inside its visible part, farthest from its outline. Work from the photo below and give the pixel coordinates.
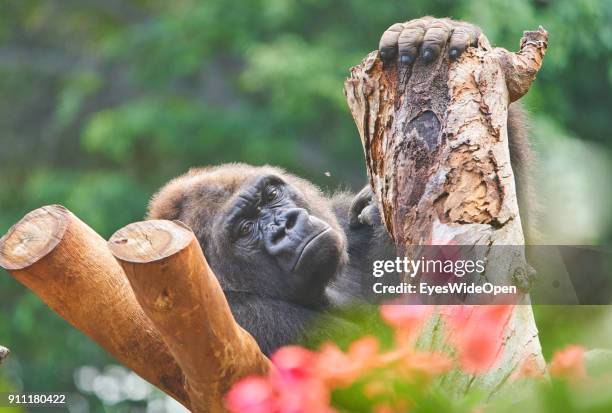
(68, 265)
(180, 294)
(436, 146)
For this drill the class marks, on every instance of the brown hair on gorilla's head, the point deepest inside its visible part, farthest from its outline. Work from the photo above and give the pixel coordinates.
(203, 199)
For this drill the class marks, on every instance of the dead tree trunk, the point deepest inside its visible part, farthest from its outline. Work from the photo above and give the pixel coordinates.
(436, 147)
(179, 293)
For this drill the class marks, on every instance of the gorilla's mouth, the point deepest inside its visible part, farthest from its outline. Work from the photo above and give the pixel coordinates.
(309, 245)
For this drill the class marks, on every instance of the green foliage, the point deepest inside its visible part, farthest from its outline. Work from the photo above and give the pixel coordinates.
(102, 102)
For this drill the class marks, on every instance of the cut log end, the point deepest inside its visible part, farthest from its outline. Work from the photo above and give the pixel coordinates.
(33, 237)
(150, 241)
(4, 353)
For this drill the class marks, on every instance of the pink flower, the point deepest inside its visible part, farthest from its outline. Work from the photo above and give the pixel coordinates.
(477, 333)
(407, 320)
(308, 396)
(568, 363)
(297, 381)
(293, 386)
(294, 363)
(251, 395)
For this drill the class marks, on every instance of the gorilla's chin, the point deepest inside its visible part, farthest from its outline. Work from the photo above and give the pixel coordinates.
(320, 257)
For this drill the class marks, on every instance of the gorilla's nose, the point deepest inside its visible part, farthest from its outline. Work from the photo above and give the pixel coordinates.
(290, 228)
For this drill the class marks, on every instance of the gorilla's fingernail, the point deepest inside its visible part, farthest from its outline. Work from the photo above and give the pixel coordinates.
(406, 58)
(428, 55)
(387, 53)
(453, 54)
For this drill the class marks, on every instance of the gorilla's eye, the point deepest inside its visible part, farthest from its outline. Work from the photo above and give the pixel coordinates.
(246, 227)
(272, 194)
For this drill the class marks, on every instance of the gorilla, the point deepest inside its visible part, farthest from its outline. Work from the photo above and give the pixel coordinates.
(283, 251)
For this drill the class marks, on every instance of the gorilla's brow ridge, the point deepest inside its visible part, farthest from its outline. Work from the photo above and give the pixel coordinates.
(249, 197)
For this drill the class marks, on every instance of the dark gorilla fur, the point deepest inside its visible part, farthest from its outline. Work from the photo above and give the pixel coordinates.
(271, 300)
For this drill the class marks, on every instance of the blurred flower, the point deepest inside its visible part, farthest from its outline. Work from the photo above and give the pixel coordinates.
(407, 320)
(293, 363)
(292, 386)
(477, 332)
(302, 380)
(425, 365)
(530, 369)
(383, 408)
(251, 395)
(340, 369)
(376, 388)
(568, 363)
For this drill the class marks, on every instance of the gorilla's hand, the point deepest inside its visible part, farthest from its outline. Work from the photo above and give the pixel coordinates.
(364, 209)
(428, 37)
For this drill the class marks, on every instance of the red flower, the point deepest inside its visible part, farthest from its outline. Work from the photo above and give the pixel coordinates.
(568, 363)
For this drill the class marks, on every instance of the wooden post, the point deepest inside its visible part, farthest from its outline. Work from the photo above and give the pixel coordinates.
(69, 266)
(178, 291)
(436, 147)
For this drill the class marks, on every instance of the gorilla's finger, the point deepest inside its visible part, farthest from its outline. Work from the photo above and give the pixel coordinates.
(434, 40)
(369, 216)
(388, 42)
(359, 203)
(463, 36)
(410, 40)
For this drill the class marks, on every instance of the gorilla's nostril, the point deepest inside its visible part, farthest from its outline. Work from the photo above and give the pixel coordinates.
(278, 235)
(291, 220)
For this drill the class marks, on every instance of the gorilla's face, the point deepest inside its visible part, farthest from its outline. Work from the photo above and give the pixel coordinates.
(274, 234)
(262, 230)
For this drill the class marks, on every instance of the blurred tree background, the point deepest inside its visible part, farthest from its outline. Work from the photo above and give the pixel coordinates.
(102, 101)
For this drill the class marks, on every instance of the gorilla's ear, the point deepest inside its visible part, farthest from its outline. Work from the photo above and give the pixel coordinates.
(169, 201)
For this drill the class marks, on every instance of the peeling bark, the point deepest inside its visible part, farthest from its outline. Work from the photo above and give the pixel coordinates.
(436, 147)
